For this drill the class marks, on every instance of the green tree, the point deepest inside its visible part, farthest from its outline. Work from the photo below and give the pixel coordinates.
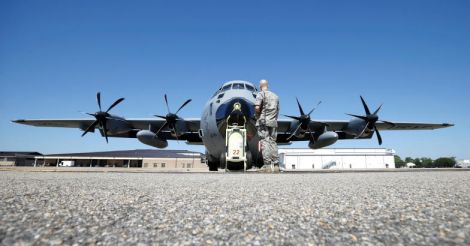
(444, 162)
(418, 163)
(399, 163)
(427, 162)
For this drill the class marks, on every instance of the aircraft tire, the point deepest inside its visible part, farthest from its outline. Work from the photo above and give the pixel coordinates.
(249, 160)
(222, 160)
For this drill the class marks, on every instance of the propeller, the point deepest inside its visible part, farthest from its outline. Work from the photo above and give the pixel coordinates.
(371, 119)
(304, 119)
(171, 118)
(101, 117)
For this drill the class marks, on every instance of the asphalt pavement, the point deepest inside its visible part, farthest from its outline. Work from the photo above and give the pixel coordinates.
(431, 208)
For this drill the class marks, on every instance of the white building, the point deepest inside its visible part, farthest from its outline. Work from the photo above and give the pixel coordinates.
(464, 163)
(309, 159)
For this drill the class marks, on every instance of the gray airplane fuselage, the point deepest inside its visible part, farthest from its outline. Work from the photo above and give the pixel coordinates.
(214, 119)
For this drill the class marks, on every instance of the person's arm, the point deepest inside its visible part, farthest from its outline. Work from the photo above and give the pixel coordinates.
(258, 105)
(278, 110)
(258, 110)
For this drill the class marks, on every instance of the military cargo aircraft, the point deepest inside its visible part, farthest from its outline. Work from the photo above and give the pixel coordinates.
(231, 104)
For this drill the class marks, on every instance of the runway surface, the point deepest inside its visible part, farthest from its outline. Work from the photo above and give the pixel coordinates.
(235, 208)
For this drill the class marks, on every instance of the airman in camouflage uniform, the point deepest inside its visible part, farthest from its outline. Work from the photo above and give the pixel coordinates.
(267, 112)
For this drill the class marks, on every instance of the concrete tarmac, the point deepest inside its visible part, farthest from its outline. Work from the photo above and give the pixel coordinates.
(378, 208)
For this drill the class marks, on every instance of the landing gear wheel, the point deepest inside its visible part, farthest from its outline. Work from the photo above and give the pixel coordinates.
(222, 161)
(249, 160)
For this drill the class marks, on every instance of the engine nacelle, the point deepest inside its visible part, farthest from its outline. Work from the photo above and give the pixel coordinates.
(150, 138)
(325, 139)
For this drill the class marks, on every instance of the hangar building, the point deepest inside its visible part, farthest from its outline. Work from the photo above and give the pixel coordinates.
(12, 158)
(308, 159)
(148, 158)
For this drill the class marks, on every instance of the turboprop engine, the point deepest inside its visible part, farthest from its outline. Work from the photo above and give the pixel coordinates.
(149, 138)
(325, 139)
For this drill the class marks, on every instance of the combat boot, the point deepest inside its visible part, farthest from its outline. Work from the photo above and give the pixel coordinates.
(265, 169)
(276, 168)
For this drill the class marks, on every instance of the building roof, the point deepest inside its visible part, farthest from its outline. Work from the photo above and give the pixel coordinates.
(337, 151)
(18, 153)
(138, 153)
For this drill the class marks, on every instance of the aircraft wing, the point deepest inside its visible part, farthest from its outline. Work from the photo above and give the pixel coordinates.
(338, 126)
(192, 126)
(285, 125)
(192, 123)
(411, 126)
(68, 123)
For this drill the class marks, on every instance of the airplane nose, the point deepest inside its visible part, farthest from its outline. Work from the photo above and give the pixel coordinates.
(236, 108)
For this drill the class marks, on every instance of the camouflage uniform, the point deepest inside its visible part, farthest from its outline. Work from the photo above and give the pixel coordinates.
(267, 126)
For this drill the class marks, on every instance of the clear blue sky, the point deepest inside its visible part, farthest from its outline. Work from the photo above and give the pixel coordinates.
(413, 56)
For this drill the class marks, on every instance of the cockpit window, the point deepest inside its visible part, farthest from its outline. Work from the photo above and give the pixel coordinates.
(249, 87)
(226, 87)
(238, 86)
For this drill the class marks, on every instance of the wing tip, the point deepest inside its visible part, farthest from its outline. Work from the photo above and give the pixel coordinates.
(447, 124)
(19, 121)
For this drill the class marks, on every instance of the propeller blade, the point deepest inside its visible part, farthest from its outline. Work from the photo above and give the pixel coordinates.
(159, 116)
(176, 135)
(163, 126)
(166, 101)
(92, 126)
(105, 130)
(378, 109)
(378, 135)
(115, 103)
(365, 106)
(295, 131)
(292, 117)
(184, 104)
(300, 107)
(98, 99)
(313, 109)
(90, 114)
(363, 130)
(358, 116)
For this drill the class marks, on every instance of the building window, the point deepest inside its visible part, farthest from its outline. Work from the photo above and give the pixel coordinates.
(155, 164)
(163, 164)
(146, 164)
(313, 166)
(188, 165)
(293, 166)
